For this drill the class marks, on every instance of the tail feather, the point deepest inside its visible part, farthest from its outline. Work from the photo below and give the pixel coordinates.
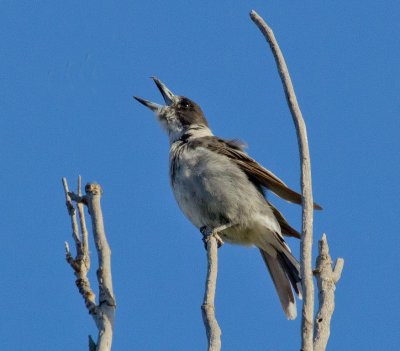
(285, 275)
(292, 271)
(289, 263)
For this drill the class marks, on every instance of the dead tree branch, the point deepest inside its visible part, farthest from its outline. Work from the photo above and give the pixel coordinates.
(208, 307)
(103, 313)
(327, 279)
(312, 339)
(306, 187)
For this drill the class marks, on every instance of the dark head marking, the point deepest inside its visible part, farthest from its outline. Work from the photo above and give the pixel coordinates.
(188, 112)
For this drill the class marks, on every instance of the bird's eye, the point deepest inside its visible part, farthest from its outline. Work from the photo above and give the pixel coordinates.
(185, 105)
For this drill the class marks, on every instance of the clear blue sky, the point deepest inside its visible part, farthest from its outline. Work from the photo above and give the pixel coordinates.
(68, 71)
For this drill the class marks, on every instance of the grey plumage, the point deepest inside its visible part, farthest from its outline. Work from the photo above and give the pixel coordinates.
(216, 183)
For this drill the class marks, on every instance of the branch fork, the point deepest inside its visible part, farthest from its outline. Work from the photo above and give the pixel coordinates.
(311, 339)
(103, 313)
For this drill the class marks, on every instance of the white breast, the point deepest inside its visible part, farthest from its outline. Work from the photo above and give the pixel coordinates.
(211, 190)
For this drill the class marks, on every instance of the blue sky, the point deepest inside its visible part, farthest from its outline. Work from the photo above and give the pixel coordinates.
(68, 71)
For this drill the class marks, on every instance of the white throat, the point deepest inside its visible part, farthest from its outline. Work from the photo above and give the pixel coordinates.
(193, 132)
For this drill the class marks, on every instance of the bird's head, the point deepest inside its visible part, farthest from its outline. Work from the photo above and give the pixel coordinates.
(178, 115)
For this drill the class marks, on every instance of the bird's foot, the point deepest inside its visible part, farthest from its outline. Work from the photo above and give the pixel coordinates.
(207, 233)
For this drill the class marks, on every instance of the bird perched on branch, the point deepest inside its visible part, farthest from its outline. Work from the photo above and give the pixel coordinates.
(221, 189)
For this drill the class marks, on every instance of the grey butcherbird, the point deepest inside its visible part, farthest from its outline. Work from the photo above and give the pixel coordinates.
(217, 185)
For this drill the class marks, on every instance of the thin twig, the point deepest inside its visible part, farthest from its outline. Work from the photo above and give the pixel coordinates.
(82, 222)
(306, 188)
(208, 310)
(72, 213)
(326, 280)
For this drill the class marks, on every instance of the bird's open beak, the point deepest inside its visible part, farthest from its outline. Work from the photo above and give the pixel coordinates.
(168, 96)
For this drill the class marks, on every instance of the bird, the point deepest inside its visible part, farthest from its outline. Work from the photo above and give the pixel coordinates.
(219, 187)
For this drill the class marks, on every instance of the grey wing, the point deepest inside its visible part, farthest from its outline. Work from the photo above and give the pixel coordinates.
(254, 170)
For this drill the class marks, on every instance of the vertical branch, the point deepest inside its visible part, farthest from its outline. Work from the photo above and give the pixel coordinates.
(105, 318)
(82, 222)
(72, 213)
(103, 313)
(306, 188)
(326, 280)
(208, 310)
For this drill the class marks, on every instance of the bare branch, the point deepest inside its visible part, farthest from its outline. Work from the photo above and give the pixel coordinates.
(208, 307)
(326, 280)
(106, 309)
(337, 270)
(306, 188)
(82, 222)
(78, 263)
(72, 213)
(103, 313)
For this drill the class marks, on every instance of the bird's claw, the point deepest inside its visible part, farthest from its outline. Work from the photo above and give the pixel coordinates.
(207, 233)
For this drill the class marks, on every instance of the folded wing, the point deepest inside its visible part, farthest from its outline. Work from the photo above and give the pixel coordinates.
(254, 170)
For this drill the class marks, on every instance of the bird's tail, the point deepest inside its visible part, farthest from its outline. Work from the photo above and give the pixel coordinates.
(285, 273)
